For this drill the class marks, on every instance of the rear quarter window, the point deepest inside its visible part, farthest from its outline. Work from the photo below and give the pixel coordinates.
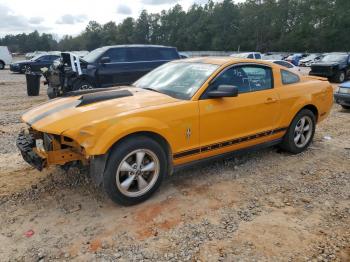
(289, 77)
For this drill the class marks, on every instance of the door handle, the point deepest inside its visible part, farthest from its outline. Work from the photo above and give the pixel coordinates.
(270, 100)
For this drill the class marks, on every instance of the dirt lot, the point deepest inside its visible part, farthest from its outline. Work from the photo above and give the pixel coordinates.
(265, 206)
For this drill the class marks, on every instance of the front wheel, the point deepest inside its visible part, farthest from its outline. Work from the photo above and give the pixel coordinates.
(135, 170)
(300, 133)
(340, 77)
(26, 69)
(2, 65)
(81, 84)
(345, 107)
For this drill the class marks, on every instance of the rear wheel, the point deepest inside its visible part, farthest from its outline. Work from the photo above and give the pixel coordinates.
(345, 107)
(135, 170)
(300, 133)
(2, 65)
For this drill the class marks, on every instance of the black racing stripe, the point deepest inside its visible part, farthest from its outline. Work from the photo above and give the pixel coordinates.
(53, 110)
(187, 153)
(83, 100)
(227, 143)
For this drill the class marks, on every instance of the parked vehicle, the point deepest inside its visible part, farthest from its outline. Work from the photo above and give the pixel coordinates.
(183, 55)
(5, 57)
(342, 95)
(334, 66)
(286, 64)
(183, 112)
(295, 59)
(276, 57)
(30, 55)
(105, 67)
(249, 55)
(310, 59)
(35, 64)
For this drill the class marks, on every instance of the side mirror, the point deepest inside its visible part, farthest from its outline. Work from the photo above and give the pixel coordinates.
(105, 60)
(224, 91)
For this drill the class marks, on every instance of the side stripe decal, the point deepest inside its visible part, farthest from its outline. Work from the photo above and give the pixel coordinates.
(226, 143)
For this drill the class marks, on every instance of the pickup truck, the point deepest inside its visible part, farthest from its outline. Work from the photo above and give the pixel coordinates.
(334, 66)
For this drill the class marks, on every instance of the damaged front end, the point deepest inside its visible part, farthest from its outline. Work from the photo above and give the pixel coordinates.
(65, 75)
(41, 150)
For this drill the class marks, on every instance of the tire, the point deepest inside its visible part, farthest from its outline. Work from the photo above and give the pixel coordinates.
(290, 142)
(345, 107)
(124, 180)
(51, 92)
(81, 84)
(2, 65)
(340, 77)
(26, 68)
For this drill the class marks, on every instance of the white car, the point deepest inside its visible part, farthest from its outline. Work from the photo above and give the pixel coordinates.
(250, 55)
(286, 64)
(5, 57)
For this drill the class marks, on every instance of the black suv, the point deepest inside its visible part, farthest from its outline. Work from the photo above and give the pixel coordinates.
(105, 67)
(334, 66)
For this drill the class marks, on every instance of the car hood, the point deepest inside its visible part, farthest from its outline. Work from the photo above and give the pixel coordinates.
(65, 113)
(345, 85)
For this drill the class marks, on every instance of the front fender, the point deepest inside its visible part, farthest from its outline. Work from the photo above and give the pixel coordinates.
(120, 128)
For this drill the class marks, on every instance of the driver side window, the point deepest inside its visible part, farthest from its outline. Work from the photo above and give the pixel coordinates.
(248, 78)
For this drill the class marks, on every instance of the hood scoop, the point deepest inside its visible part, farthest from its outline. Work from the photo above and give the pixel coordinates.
(91, 98)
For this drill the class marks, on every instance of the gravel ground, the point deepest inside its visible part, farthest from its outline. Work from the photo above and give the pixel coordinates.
(264, 206)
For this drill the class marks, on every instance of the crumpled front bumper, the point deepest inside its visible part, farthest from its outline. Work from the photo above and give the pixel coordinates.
(26, 144)
(41, 150)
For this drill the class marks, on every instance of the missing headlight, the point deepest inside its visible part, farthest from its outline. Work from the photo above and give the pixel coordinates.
(47, 142)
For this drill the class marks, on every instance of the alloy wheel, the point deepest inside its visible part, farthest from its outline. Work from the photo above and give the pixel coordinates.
(303, 131)
(137, 173)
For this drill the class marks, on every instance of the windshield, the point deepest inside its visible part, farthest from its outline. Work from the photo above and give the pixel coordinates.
(335, 58)
(93, 55)
(179, 80)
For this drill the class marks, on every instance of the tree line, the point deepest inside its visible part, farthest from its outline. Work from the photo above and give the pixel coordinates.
(254, 25)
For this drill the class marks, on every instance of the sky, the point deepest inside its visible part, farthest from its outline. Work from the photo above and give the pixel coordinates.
(61, 17)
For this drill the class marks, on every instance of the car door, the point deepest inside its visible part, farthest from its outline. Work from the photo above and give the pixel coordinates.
(39, 63)
(248, 119)
(113, 72)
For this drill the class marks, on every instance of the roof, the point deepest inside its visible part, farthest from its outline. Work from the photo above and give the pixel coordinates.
(136, 45)
(220, 60)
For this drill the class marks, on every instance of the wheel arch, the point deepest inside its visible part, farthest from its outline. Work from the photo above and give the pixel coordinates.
(150, 134)
(313, 109)
(98, 163)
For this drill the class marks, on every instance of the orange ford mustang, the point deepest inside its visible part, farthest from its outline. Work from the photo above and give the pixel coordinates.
(181, 113)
